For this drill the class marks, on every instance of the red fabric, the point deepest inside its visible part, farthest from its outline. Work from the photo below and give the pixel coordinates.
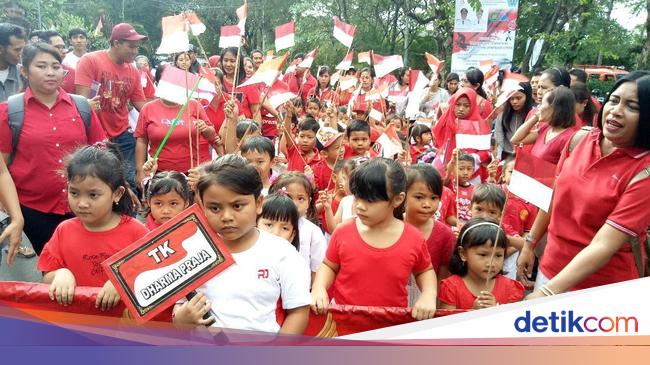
(48, 135)
(360, 281)
(296, 158)
(447, 205)
(484, 106)
(361, 103)
(119, 84)
(216, 113)
(147, 84)
(308, 83)
(447, 125)
(68, 80)
(247, 96)
(269, 122)
(343, 97)
(335, 207)
(323, 175)
(551, 151)
(441, 243)
(82, 251)
(323, 95)
(464, 200)
(518, 216)
(415, 152)
(453, 291)
(592, 190)
(153, 124)
(151, 223)
(349, 153)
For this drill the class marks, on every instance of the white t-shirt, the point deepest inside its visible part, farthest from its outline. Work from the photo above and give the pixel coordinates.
(312, 243)
(347, 206)
(245, 295)
(71, 60)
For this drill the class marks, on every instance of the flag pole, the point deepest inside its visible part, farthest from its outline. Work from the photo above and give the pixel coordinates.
(234, 77)
(189, 123)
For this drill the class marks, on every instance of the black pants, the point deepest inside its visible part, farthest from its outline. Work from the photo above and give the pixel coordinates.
(40, 226)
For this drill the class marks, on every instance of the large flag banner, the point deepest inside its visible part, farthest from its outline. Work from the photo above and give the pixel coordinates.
(532, 180)
(230, 36)
(343, 32)
(167, 264)
(174, 38)
(285, 36)
(386, 64)
(346, 63)
(485, 33)
(309, 59)
(268, 72)
(280, 93)
(473, 134)
(175, 85)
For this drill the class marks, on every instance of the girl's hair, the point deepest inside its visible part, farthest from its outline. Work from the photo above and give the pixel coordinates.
(32, 50)
(476, 232)
(418, 130)
(293, 177)
(321, 71)
(103, 161)
(559, 76)
(564, 107)
(582, 94)
(241, 76)
(278, 207)
(642, 80)
(451, 77)
(491, 194)
(508, 112)
(427, 174)
(178, 55)
(400, 75)
(259, 144)
(315, 101)
(369, 71)
(246, 125)
(167, 182)
(346, 166)
(233, 172)
(475, 77)
(379, 179)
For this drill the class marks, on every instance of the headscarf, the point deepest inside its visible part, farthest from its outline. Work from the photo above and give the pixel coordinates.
(445, 129)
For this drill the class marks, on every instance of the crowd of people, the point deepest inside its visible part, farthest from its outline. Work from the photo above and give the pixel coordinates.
(306, 190)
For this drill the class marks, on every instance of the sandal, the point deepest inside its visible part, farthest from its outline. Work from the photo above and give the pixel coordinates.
(25, 252)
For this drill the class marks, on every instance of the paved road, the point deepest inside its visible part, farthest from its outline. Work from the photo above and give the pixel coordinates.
(23, 270)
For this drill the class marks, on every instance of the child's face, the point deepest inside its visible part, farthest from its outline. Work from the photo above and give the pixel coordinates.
(313, 110)
(332, 150)
(507, 171)
(301, 199)
(462, 107)
(478, 261)
(485, 210)
(465, 171)
(261, 161)
(373, 214)
(426, 138)
(233, 216)
(166, 206)
(343, 182)
(421, 203)
(307, 140)
(282, 229)
(359, 142)
(397, 123)
(343, 118)
(91, 200)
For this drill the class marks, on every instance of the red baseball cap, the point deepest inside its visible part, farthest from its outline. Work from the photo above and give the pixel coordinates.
(125, 32)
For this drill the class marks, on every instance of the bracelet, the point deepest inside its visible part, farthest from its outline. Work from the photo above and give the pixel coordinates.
(546, 290)
(528, 238)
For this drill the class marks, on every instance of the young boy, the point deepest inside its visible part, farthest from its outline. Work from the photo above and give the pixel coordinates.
(260, 152)
(358, 133)
(329, 144)
(313, 109)
(303, 153)
(461, 186)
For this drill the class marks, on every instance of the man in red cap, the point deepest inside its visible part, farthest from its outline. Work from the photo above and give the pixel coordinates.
(111, 81)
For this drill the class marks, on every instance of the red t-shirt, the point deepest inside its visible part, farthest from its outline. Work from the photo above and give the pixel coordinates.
(592, 190)
(453, 291)
(349, 153)
(247, 96)
(551, 151)
(216, 113)
(296, 158)
(68, 80)
(269, 122)
(47, 136)
(323, 175)
(441, 244)
(447, 207)
(147, 84)
(300, 84)
(343, 98)
(518, 216)
(151, 223)
(464, 201)
(153, 124)
(375, 276)
(81, 251)
(415, 152)
(118, 84)
(323, 95)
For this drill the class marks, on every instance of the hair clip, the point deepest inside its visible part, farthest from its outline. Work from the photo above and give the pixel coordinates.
(283, 191)
(100, 144)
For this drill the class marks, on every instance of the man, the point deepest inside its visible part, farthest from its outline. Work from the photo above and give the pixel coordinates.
(463, 17)
(194, 66)
(12, 41)
(258, 58)
(56, 40)
(110, 80)
(300, 81)
(78, 39)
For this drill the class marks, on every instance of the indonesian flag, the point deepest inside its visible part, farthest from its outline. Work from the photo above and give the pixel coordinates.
(473, 134)
(230, 36)
(285, 36)
(347, 82)
(292, 66)
(196, 25)
(532, 180)
(346, 63)
(506, 94)
(242, 14)
(397, 96)
(208, 74)
(364, 57)
(174, 37)
(377, 93)
(435, 64)
(385, 64)
(389, 142)
(343, 32)
(512, 80)
(268, 72)
(485, 65)
(175, 86)
(309, 59)
(417, 80)
(376, 115)
(280, 93)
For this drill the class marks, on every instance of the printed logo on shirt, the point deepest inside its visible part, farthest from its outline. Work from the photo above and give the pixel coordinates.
(168, 122)
(523, 215)
(263, 274)
(96, 263)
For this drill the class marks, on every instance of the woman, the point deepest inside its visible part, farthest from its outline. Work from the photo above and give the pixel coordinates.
(600, 201)
(512, 117)
(585, 109)
(401, 88)
(183, 61)
(552, 78)
(358, 101)
(474, 79)
(249, 69)
(323, 91)
(215, 110)
(52, 128)
(451, 83)
(434, 97)
(248, 96)
(549, 138)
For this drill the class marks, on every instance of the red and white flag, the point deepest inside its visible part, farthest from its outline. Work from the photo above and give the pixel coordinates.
(242, 14)
(386, 64)
(417, 80)
(532, 180)
(377, 93)
(230, 36)
(364, 57)
(268, 72)
(397, 96)
(196, 25)
(174, 37)
(473, 134)
(512, 80)
(485, 65)
(285, 36)
(506, 94)
(376, 115)
(309, 59)
(346, 63)
(280, 93)
(389, 142)
(433, 62)
(269, 55)
(347, 82)
(175, 85)
(343, 32)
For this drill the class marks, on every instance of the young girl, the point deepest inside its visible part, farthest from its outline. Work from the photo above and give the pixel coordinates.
(98, 197)
(280, 217)
(372, 257)
(421, 141)
(471, 268)
(266, 268)
(168, 194)
(312, 241)
(340, 207)
(323, 91)
(313, 108)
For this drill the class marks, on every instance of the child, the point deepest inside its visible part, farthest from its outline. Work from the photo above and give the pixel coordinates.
(313, 109)
(304, 152)
(280, 217)
(98, 196)
(358, 133)
(329, 144)
(312, 241)
(421, 135)
(460, 186)
(471, 268)
(245, 295)
(260, 152)
(168, 194)
(447, 208)
(340, 207)
(371, 258)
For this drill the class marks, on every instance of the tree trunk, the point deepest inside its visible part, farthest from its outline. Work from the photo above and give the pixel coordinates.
(644, 59)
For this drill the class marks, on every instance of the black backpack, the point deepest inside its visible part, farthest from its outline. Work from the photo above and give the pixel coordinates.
(16, 112)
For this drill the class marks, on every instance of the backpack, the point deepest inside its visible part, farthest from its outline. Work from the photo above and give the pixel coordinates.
(16, 113)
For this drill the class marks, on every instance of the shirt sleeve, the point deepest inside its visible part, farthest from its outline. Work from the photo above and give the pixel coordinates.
(97, 133)
(141, 126)
(332, 253)
(515, 291)
(448, 292)
(317, 249)
(84, 75)
(423, 262)
(51, 258)
(252, 95)
(295, 281)
(631, 215)
(6, 139)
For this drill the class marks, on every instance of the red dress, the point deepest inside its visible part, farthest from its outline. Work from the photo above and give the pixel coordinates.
(441, 244)
(453, 291)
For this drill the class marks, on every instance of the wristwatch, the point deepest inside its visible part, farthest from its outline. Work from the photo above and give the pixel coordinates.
(528, 238)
